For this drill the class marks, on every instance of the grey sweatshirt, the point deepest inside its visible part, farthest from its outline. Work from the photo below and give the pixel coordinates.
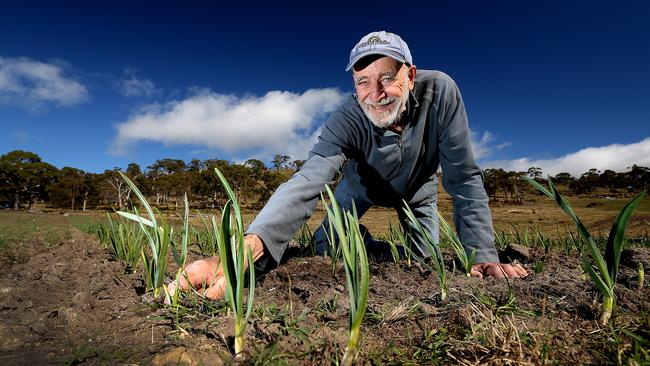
(390, 167)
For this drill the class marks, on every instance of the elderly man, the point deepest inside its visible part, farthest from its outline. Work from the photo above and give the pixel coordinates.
(388, 141)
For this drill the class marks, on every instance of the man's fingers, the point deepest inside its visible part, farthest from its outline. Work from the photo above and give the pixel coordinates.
(495, 270)
(217, 289)
(510, 271)
(521, 271)
(476, 272)
(199, 273)
(498, 270)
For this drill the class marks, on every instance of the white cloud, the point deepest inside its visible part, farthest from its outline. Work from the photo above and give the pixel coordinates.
(483, 145)
(616, 157)
(132, 86)
(32, 84)
(279, 122)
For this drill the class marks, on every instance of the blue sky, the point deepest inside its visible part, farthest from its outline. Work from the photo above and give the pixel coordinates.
(557, 84)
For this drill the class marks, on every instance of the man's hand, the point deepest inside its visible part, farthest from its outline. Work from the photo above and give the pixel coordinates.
(206, 275)
(498, 270)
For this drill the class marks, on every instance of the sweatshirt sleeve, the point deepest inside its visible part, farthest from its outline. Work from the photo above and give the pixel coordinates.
(461, 176)
(293, 203)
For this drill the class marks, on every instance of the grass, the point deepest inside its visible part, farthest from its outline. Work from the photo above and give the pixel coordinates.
(40, 230)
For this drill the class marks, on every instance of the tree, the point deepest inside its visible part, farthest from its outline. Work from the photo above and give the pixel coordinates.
(255, 165)
(638, 177)
(609, 179)
(563, 178)
(587, 182)
(68, 187)
(23, 176)
(297, 164)
(280, 161)
(535, 173)
(115, 188)
(90, 189)
(168, 180)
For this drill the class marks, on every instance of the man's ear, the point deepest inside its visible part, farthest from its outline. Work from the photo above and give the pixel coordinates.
(411, 74)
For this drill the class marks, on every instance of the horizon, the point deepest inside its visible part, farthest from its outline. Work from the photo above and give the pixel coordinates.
(545, 84)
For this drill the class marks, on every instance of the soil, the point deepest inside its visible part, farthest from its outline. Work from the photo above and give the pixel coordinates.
(71, 304)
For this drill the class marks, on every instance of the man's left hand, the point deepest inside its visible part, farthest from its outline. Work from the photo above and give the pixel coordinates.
(498, 270)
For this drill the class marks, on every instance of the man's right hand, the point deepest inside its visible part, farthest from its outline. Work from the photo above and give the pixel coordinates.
(206, 275)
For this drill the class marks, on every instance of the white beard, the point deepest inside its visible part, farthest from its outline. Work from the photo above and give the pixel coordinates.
(386, 118)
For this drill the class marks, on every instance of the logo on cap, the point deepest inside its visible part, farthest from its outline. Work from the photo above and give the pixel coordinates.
(372, 41)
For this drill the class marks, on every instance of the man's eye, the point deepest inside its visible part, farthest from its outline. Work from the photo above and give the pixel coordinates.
(387, 79)
(361, 83)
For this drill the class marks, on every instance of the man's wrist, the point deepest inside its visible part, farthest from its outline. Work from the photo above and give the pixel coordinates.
(256, 245)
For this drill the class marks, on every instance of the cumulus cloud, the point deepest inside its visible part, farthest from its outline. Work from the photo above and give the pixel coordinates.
(132, 86)
(483, 144)
(616, 157)
(279, 122)
(32, 84)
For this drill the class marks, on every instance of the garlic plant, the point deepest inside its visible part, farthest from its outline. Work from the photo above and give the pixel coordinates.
(355, 259)
(432, 247)
(601, 269)
(158, 237)
(235, 258)
(459, 249)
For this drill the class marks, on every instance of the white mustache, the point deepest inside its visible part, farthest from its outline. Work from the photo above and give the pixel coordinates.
(382, 102)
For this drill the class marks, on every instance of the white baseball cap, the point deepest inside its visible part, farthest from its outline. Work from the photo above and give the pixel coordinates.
(380, 43)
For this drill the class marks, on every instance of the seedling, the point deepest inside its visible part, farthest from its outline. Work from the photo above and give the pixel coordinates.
(180, 254)
(397, 235)
(641, 275)
(355, 260)
(459, 249)
(235, 257)
(124, 239)
(602, 270)
(159, 240)
(432, 247)
(204, 237)
(159, 243)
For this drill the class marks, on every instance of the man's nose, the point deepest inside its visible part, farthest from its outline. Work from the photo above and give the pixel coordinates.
(377, 92)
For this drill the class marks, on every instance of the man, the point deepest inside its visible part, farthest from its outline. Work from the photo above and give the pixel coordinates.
(388, 140)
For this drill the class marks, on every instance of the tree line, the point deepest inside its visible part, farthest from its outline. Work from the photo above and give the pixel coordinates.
(507, 186)
(26, 180)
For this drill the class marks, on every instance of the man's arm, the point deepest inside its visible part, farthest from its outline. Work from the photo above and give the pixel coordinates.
(267, 237)
(293, 203)
(462, 178)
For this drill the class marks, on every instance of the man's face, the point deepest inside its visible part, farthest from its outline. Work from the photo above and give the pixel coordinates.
(382, 87)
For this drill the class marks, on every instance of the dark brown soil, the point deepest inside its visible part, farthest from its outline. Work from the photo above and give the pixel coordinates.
(73, 305)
